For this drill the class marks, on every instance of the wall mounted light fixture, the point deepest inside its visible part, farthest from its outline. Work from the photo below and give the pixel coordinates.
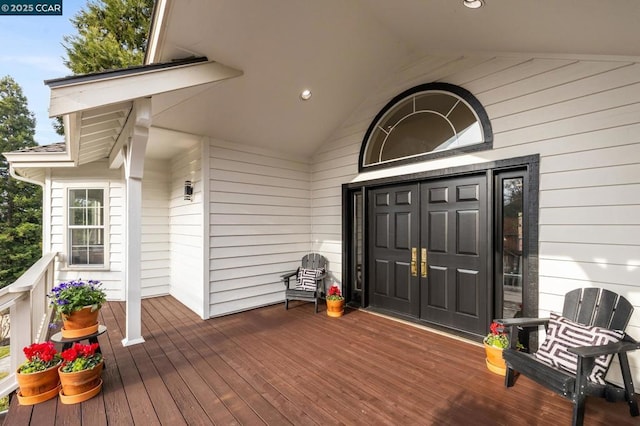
(188, 190)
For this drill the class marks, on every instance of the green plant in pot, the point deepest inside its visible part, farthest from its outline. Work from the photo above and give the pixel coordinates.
(335, 302)
(38, 376)
(77, 302)
(494, 343)
(80, 373)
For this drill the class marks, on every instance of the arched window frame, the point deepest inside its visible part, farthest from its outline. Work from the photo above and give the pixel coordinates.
(458, 91)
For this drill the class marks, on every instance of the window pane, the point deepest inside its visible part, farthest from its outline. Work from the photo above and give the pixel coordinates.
(78, 197)
(94, 197)
(438, 102)
(94, 216)
(77, 216)
(400, 111)
(96, 255)
(94, 236)
(512, 259)
(79, 256)
(78, 237)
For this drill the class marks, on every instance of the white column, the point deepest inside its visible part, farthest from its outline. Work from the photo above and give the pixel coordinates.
(134, 166)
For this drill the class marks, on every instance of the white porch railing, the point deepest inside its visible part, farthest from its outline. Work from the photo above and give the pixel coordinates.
(29, 313)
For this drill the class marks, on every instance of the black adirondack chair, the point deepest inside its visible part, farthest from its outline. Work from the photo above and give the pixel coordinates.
(310, 262)
(591, 307)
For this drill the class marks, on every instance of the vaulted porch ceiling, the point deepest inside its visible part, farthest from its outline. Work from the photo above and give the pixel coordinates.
(344, 50)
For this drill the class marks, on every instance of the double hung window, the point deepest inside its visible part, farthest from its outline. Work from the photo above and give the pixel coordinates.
(86, 227)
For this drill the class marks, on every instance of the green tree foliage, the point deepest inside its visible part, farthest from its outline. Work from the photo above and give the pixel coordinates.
(20, 202)
(112, 34)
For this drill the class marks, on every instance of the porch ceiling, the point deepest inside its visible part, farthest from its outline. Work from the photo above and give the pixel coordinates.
(344, 49)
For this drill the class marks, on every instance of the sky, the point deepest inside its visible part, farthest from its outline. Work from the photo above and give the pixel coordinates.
(30, 52)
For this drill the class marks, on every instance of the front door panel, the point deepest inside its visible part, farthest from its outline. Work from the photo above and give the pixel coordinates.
(453, 228)
(393, 213)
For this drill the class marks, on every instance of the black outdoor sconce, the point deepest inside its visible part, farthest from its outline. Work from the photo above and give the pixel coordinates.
(188, 190)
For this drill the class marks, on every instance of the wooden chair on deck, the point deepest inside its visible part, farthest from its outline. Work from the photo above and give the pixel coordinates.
(573, 360)
(308, 285)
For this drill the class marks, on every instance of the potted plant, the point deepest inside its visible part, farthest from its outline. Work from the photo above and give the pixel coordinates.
(494, 343)
(38, 375)
(80, 373)
(77, 303)
(335, 302)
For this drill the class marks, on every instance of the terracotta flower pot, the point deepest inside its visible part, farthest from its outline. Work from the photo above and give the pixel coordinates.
(80, 323)
(335, 308)
(495, 362)
(80, 382)
(39, 386)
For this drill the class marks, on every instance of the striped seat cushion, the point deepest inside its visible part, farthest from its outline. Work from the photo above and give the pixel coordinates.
(563, 333)
(307, 279)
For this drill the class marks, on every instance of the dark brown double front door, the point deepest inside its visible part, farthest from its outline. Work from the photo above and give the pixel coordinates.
(428, 252)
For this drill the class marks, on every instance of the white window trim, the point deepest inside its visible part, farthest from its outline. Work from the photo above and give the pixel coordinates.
(65, 265)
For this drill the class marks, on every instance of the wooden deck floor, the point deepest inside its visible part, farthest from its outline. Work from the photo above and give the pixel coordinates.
(277, 367)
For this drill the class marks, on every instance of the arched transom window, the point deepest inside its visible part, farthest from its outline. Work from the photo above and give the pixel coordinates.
(424, 121)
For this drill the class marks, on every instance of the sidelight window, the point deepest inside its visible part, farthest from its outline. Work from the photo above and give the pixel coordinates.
(512, 244)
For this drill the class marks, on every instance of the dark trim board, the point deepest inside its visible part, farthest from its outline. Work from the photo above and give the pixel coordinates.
(532, 161)
(529, 164)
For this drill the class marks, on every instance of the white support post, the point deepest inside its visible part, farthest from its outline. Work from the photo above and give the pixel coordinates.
(134, 166)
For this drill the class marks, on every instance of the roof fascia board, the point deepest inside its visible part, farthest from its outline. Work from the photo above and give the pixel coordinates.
(157, 31)
(41, 164)
(36, 157)
(75, 97)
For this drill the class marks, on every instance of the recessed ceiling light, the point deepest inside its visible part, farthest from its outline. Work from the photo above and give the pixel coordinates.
(473, 4)
(305, 95)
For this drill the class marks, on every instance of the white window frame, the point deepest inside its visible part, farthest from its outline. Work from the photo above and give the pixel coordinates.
(105, 226)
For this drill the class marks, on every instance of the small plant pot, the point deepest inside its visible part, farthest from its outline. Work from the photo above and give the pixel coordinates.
(36, 383)
(39, 386)
(495, 362)
(41, 397)
(81, 397)
(80, 323)
(335, 308)
(80, 382)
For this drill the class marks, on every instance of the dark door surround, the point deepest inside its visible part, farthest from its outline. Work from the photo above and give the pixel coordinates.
(528, 164)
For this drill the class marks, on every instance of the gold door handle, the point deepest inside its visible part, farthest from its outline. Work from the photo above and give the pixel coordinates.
(423, 263)
(414, 262)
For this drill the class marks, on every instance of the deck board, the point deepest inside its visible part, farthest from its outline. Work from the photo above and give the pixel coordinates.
(276, 367)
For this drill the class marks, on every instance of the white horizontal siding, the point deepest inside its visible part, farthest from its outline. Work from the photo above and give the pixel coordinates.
(186, 230)
(156, 261)
(259, 224)
(581, 116)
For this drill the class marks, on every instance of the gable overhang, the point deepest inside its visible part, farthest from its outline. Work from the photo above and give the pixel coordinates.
(97, 108)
